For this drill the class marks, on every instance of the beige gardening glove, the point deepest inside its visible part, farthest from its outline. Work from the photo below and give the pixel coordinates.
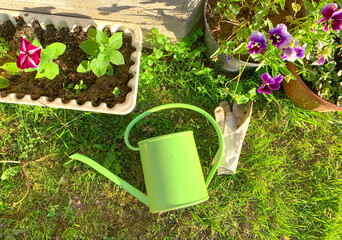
(233, 125)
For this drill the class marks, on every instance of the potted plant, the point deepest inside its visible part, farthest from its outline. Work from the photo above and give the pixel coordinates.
(229, 24)
(318, 84)
(300, 41)
(97, 55)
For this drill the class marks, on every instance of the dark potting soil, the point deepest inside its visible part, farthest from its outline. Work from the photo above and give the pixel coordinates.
(99, 90)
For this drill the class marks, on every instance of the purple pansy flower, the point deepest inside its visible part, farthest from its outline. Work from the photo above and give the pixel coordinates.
(331, 15)
(257, 43)
(270, 83)
(291, 54)
(320, 60)
(280, 36)
(300, 50)
(29, 55)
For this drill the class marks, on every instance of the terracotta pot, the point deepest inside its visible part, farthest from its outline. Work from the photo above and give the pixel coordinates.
(302, 96)
(129, 29)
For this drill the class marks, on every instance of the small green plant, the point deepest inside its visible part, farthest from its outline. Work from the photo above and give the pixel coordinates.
(116, 92)
(77, 89)
(4, 47)
(190, 69)
(33, 57)
(102, 51)
(47, 67)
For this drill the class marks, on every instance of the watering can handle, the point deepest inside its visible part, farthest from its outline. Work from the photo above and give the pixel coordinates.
(186, 106)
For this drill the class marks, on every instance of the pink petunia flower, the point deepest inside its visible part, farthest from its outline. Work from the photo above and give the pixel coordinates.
(29, 55)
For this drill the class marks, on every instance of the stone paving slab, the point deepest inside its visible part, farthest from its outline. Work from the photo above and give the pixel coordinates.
(174, 18)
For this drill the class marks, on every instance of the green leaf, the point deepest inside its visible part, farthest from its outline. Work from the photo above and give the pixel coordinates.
(103, 60)
(161, 39)
(39, 75)
(115, 41)
(154, 31)
(12, 171)
(242, 99)
(11, 68)
(36, 43)
(116, 58)
(92, 34)
(269, 23)
(58, 47)
(90, 47)
(96, 69)
(309, 7)
(284, 71)
(110, 70)
(51, 70)
(234, 8)
(158, 52)
(241, 48)
(296, 7)
(3, 82)
(169, 47)
(84, 66)
(47, 54)
(101, 37)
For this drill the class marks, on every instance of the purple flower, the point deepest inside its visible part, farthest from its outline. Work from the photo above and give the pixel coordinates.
(229, 57)
(332, 16)
(320, 60)
(280, 36)
(291, 54)
(29, 55)
(257, 43)
(300, 50)
(270, 83)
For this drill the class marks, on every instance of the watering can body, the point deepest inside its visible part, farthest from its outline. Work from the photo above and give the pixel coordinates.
(172, 171)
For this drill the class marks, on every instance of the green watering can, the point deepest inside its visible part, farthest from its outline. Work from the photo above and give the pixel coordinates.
(172, 171)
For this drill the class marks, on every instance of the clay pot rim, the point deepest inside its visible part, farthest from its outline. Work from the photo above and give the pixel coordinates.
(329, 106)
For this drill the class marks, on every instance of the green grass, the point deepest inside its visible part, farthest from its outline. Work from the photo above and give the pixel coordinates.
(288, 183)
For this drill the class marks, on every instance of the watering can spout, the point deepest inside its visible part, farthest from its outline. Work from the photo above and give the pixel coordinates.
(111, 176)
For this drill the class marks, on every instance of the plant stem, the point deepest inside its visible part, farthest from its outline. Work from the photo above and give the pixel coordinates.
(240, 73)
(27, 183)
(10, 162)
(236, 31)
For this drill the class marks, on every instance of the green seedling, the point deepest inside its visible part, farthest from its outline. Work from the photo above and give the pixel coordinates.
(102, 53)
(116, 92)
(77, 88)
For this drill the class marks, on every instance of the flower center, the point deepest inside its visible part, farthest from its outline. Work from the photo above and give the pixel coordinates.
(276, 37)
(256, 46)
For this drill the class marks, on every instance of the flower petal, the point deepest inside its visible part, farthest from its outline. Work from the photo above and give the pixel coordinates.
(33, 49)
(266, 78)
(264, 88)
(32, 63)
(290, 54)
(319, 61)
(278, 79)
(274, 86)
(329, 9)
(20, 61)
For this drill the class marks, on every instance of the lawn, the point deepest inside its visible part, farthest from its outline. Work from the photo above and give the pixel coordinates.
(288, 183)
